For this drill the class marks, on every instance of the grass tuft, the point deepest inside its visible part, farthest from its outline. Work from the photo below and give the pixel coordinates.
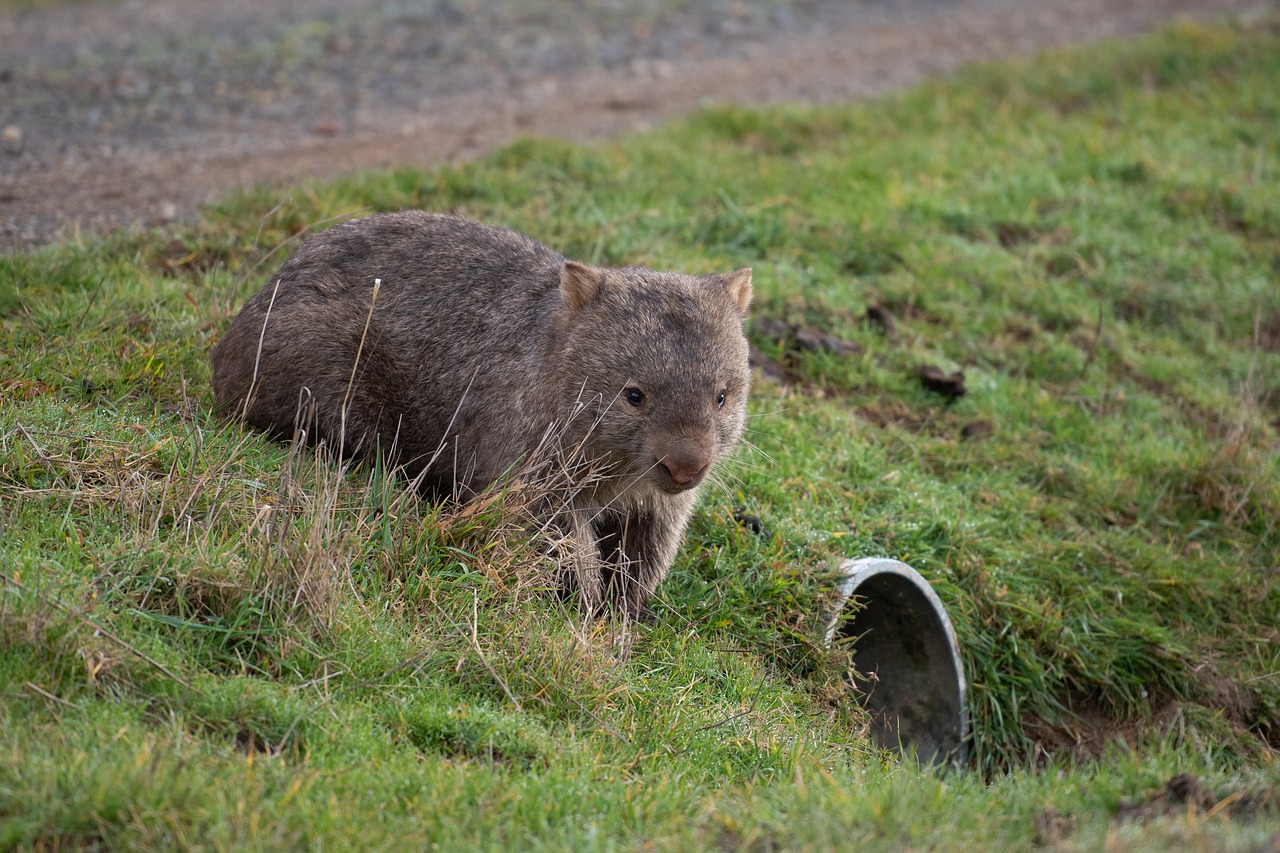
(212, 639)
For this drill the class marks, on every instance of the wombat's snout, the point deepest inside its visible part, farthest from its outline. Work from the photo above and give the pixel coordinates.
(683, 470)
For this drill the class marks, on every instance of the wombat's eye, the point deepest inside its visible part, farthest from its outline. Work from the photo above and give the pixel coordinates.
(634, 396)
(720, 399)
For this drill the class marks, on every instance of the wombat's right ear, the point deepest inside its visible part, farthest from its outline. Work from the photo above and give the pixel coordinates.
(738, 284)
(579, 284)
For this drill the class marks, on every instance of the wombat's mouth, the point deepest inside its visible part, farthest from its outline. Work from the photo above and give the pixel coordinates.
(673, 486)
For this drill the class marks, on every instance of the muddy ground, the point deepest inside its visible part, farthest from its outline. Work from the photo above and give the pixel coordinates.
(131, 112)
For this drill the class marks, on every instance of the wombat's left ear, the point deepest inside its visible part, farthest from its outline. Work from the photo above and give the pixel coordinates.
(738, 285)
(579, 284)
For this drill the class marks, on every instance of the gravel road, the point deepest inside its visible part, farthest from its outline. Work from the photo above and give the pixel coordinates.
(129, 112)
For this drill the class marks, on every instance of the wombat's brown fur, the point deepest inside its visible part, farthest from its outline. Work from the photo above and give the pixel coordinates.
(479, 346)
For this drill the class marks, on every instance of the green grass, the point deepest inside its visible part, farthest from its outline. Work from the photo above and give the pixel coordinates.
(212, 640)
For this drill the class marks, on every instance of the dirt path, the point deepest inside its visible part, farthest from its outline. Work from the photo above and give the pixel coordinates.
(135, 112)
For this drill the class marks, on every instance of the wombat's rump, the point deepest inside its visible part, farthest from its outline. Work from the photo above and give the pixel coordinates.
(454, 349)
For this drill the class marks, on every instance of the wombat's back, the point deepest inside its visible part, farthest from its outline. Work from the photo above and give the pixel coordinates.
(387, 330)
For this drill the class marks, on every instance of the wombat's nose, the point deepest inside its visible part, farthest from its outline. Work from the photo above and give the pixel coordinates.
(685, 473)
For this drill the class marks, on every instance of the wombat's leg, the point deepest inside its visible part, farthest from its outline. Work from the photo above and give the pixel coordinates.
(638, 549)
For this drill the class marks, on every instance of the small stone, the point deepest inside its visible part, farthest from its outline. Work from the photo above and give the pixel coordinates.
(976, 429)
(11, 134)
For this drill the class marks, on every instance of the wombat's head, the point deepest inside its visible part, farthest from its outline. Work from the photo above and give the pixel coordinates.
(660, 362)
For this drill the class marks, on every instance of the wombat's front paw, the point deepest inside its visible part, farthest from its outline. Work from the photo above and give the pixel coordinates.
(646, 616)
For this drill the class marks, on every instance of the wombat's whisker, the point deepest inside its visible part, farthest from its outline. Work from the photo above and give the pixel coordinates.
(754, 449)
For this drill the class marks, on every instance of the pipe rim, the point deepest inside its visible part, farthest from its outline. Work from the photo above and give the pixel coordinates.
(854, 573)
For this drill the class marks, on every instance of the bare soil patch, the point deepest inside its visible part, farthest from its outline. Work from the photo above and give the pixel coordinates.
(127, 113)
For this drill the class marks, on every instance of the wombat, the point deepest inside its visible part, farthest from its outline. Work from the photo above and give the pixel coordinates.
(455, 350)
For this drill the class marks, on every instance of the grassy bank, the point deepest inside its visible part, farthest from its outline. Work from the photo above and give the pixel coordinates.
(210, 639)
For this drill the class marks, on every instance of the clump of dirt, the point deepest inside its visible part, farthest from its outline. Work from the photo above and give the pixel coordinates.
(1181, 794)
(937, 380)
(1090, 729)
(1086, 733)
(977, 429)
(898, 415)
(1243, 708)
(790, 340)
(881, 318)
(795, 338)
(752, 523)
(1184, 792)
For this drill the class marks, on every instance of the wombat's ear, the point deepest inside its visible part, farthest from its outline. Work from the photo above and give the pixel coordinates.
(738, 285)
(579, 284)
